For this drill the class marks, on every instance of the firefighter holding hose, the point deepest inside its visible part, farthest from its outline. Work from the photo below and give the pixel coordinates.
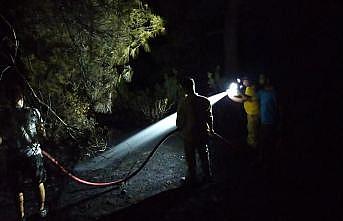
(195, 121)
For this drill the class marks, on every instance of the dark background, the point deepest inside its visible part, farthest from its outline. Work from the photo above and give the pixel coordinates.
(285, 39)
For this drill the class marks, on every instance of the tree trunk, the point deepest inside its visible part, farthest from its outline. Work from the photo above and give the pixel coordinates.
(230, 38)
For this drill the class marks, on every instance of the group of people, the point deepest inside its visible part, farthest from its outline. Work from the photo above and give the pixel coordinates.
(262, 113)
(22, 128)
(195, 122)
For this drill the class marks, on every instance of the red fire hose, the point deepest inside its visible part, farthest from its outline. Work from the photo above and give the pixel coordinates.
(115, 182)
(122, 180)
(77, 179)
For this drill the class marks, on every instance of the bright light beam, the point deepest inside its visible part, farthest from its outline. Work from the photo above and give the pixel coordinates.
(217, 97)
(232, 90)
(146, 138)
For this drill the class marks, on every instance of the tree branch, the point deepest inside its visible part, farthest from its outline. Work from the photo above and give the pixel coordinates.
(13, 58)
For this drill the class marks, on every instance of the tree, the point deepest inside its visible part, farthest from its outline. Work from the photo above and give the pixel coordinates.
(230, 37)
(78, 52)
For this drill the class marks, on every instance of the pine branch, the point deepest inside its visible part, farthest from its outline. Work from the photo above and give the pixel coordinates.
(13, 58)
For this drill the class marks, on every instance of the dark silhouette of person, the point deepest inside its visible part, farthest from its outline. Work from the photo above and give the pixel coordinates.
(269, 117)
(195, 121)
(20, 131)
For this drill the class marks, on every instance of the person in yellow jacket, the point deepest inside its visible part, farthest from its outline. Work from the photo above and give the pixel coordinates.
(251, 107)
(195, 122)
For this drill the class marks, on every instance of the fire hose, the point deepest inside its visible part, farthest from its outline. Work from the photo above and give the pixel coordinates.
(115, 182)
(124, 179)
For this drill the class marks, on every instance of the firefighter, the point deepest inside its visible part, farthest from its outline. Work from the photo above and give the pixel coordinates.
(195, 121)
(20, 132)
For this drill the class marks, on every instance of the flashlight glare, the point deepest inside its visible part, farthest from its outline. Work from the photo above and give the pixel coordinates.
(232, 90)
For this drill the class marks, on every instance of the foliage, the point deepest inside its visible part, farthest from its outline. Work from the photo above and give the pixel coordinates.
(152, 103)
(78, 53)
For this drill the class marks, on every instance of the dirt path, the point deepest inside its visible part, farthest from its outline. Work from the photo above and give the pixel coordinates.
(162, 173)
(73, 201)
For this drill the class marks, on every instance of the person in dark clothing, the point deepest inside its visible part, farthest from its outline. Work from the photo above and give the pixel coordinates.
(269, 117)
(20, 132)
(195, 121)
